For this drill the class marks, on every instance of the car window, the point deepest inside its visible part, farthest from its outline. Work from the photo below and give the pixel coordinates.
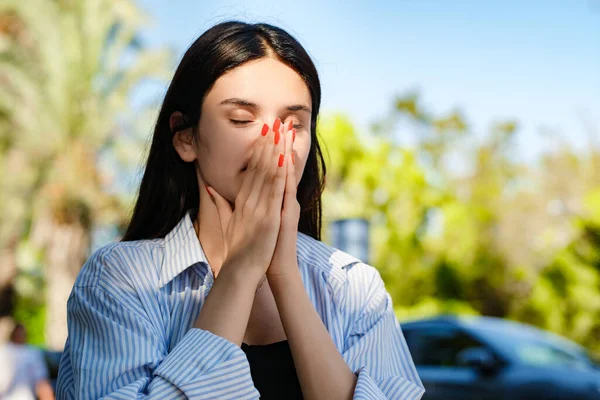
(542, 354)
(438, 346)
(534, 347)
(594, 359)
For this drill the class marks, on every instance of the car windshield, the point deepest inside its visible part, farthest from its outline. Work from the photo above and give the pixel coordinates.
(533, 346)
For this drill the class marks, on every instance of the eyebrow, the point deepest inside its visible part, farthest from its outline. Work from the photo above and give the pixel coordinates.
(245, 103)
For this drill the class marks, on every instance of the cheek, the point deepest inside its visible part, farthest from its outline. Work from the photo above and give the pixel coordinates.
(301, 148)
(224, 148)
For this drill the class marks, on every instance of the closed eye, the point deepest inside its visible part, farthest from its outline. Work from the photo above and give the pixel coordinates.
(239, 122)
(296, 126)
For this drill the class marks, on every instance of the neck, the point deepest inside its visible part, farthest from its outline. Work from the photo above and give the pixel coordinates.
(208, 228)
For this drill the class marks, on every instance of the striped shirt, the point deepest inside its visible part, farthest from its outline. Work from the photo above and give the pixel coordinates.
(133, 306)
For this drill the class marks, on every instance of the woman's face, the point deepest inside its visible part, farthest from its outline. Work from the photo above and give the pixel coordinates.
(233, 114)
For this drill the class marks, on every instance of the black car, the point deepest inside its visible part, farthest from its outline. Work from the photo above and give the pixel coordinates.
(490, 358)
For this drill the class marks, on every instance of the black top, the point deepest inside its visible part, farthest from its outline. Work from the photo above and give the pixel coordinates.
(273, 372)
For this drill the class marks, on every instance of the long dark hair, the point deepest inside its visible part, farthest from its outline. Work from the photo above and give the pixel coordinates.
(169, 187)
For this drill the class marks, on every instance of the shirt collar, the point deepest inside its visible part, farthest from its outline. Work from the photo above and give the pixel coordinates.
(332, 262)
(182, 249)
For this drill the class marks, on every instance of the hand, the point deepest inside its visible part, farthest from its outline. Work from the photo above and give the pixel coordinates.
(284, 259)
(250, 231)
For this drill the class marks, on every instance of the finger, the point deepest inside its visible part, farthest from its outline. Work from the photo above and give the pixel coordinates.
(289, 127)
(290, 137)
(223, 208)
(266, 168)
(274, 183)
(290, 183)
(290, 161)
(257, 154)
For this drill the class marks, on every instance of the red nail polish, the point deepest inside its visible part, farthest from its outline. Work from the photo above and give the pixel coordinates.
(276, 137)
(291, 125)
(265, 129)
(280, 163)
(293, 159)
(276, 125)
(293, 135)
(206, 187)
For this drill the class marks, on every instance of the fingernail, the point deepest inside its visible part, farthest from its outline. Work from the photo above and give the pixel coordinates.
(293, 135)
(280, 160)
(290, 125)
(276, 125)
(293, 159)
(208, 191)
(265, 129)
(276, 137)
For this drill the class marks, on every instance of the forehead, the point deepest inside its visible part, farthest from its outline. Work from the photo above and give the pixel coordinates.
(264, 81)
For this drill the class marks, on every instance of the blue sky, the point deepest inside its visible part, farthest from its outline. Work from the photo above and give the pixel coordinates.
(535, 61)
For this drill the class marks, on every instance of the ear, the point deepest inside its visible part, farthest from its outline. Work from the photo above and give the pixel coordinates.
(183, 139)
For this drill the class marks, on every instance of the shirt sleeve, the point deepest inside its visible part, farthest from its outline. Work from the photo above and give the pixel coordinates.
(375, 348)
(113, 352)
(38, 370)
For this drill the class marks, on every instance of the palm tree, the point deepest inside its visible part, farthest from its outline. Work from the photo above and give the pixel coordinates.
(66, 71)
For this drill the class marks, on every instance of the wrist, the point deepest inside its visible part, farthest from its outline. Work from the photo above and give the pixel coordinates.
(238, 274)
(277, 280)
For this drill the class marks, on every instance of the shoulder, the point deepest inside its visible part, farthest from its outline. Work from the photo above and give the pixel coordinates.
(122, 263)
(342, 271)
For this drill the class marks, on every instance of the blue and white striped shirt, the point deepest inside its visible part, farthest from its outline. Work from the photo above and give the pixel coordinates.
(133, 306)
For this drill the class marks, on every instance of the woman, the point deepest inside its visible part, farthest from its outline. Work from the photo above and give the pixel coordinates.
(227, 292)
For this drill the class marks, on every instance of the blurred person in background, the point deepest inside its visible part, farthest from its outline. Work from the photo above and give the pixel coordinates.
(221, 287)
(24, 374)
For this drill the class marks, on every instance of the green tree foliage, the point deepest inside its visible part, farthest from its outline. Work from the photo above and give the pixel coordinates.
(494, 237)
(67, 71)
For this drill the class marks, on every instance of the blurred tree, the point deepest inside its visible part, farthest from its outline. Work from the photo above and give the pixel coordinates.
(461, 226)
(66, 71)
(565, 296)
